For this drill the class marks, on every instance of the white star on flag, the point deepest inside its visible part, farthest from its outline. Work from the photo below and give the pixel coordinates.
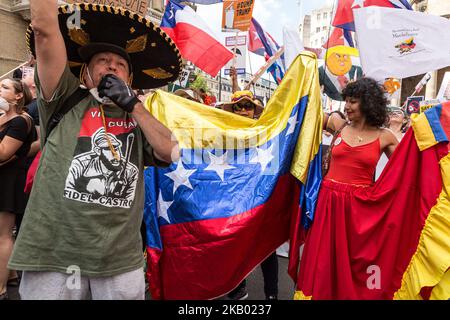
(263, 157)
(180, 176)
(218, 164)
(292, 124)
(359, 3)
(163, 207)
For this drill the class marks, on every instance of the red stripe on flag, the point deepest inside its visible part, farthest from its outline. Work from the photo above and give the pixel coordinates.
(199, 47)
(208, 258)
(153, 273)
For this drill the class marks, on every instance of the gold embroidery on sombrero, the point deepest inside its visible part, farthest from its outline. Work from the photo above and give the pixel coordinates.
(73, 64)
(79, 36)
(136, 45)
(158, 73)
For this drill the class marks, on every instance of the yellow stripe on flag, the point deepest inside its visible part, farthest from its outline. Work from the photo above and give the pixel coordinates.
(429, 267)
(422, 131)
(197, 126)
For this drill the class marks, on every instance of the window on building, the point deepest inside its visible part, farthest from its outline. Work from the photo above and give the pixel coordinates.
(157, 5)
(324, 28)
(318, 16)
(317, 29)
(325, 15)
(316, 42)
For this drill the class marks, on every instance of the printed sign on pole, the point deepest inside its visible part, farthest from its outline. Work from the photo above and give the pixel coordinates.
(413, 104)
(236, 15)
(26, 71)
(241, 52)
(183, 78)
(428, 104)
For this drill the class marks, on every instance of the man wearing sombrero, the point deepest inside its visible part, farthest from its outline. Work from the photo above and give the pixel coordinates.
(79, 239)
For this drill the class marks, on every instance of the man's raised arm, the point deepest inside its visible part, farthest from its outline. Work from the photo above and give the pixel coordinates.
(51, 53)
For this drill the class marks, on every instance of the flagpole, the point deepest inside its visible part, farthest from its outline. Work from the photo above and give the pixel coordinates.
(266, 66)
(418, 88)
(251, 71)
(235, 49)
(19, 66)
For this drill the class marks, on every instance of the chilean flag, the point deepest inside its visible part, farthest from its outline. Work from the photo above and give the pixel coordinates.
(344, 14)
(194, 39)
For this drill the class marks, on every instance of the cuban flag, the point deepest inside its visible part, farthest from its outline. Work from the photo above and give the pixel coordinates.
(263, 44)
(344, 14)
(339, 37)
(194, 39)
(229, 202)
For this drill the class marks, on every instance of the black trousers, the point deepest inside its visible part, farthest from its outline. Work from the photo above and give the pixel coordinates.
(269, 269)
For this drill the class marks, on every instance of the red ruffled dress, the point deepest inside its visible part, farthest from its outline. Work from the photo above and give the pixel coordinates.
(324, 270)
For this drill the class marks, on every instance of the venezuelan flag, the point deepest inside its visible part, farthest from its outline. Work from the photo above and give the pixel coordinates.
(428, 273)
(228, 203)
(395, 239)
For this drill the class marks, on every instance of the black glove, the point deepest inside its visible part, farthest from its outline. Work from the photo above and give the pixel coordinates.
(118, 91)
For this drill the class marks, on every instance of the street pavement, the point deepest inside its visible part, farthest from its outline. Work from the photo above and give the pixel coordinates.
(255, 284)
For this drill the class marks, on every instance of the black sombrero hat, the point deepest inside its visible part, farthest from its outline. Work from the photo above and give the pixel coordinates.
(152, 55)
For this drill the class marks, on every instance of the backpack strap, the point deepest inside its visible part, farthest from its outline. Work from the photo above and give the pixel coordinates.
(68, 104)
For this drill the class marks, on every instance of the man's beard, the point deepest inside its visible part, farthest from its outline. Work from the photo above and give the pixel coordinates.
(108, 164)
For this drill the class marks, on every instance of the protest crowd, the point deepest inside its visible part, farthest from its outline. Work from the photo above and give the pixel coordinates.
(147, 190)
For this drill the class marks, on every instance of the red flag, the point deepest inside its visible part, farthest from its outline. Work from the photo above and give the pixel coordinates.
(194, 39)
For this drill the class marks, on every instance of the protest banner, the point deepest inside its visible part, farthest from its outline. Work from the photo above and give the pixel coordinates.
(237, 44)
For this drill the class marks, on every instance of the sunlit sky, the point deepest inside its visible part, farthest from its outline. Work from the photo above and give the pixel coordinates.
(272, 15)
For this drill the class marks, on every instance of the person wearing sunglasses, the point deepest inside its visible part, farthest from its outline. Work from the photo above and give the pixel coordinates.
(243, 103)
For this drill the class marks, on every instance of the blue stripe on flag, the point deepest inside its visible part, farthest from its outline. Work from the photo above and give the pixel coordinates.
(243, 187)
(433, 115)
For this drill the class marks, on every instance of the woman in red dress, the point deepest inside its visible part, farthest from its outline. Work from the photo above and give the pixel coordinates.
(358, 144)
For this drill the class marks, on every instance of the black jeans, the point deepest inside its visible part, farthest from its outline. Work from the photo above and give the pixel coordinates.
(269, 269)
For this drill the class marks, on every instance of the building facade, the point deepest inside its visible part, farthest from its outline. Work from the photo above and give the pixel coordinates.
(221, 86)
(305, 31)
(320, 26)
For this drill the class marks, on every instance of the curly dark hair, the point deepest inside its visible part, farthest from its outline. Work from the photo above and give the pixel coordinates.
(373, 103)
